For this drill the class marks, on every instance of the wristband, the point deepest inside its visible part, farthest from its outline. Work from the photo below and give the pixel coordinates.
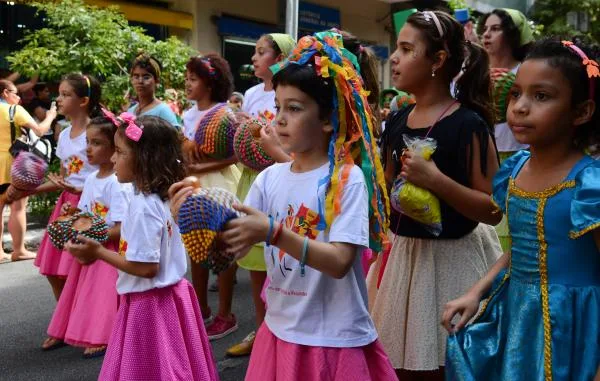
(303, 257)
(277, 234)
(268, 240)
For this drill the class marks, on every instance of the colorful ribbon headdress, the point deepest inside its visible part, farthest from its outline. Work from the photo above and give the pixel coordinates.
(352, 141)
(591, 66)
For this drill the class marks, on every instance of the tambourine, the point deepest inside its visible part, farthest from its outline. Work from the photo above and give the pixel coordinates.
(201, 217)
(66, 228)
(247, 146)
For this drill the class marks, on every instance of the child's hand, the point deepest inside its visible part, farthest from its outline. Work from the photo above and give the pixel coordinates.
(86, 251)
(56, 179)
(70, 187)
(418, 171)
(269, 141)
(243, 232)
(179, 192)
(467, 306)
(65, 208)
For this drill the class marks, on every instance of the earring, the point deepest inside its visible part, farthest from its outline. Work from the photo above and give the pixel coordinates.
(432, 72)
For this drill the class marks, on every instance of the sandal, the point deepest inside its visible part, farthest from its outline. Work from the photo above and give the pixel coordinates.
(57, 343)
(99, 353)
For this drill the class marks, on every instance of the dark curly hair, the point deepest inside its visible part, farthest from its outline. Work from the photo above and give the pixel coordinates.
(105, 126)
(157, 159)
(214, 71)
(148, 63)
(570, 65)
(512, 33)
(85, 85)
(473, 88)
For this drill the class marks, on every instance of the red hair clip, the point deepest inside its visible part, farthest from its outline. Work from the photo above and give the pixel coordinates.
(591, 66)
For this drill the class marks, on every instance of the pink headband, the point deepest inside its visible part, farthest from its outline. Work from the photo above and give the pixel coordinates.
(590, 65)
(429, 15)
(133, 131)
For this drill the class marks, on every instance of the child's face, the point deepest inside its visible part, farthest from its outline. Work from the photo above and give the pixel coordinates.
(143, 82)
(263, 58)
(68, 103)
(123, 159)
(410, 65)
(99, 148)
(493, 35)
(297, 123)
(539, 109)
(195, 89)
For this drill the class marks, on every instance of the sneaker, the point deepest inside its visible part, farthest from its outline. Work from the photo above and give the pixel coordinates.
(208, 320)
(221, 327)
(244, 348)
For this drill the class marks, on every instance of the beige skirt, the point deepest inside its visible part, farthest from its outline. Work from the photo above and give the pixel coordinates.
(420, 277)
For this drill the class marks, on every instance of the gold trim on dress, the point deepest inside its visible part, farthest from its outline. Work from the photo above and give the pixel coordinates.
(543, 256)
(576, 234)
(546, 193)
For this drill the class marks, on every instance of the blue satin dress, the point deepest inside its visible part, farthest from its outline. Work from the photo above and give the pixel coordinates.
(541, 320)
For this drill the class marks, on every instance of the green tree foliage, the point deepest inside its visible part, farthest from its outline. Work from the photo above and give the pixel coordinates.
(551, 16)
(97, 41)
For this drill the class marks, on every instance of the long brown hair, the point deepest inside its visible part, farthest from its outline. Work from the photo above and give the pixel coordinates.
(157, 158)
(473, 88)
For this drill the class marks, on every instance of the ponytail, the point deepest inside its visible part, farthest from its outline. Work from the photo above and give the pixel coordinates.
(367, 62)
(474, 86)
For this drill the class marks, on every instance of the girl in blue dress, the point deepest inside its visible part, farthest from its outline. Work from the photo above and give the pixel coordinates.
(540, 319)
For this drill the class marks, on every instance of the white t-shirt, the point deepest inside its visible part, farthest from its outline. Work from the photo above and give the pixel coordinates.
(317, 309)
(105, 197)
(257, 100)
(505, 140)
(73, 158)
(191, 117)
(149, 234)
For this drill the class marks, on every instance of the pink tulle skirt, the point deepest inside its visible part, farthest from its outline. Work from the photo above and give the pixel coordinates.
(87, 307)
(159, 335)
(273, 359)
(50, 260)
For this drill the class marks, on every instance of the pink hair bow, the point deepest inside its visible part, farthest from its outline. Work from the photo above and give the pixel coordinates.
(133, 130)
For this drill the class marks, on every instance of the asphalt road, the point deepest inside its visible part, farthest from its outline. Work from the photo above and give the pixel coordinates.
(26, 305)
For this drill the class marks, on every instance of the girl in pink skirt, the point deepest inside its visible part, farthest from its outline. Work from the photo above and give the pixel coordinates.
(316, 214)
(79, 97)
(158, 332)
(87, 306)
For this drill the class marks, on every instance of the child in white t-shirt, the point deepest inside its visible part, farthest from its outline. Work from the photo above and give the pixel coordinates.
(87, 308)
(158, 312)
(78, 99)
(316, 214)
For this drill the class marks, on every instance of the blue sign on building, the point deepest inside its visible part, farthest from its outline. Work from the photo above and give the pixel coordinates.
(315, 18)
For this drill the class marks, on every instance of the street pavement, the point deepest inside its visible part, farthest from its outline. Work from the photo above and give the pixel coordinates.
(26, 306)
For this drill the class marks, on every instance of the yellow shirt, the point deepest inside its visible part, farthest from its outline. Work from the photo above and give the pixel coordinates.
(21, 119)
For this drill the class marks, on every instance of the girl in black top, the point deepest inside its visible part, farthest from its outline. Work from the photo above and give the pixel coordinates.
(423, 272)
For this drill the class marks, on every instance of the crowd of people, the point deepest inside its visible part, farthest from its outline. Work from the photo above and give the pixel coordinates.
(345, 287)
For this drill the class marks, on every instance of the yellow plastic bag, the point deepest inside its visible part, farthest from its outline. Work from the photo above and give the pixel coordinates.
(414, 202)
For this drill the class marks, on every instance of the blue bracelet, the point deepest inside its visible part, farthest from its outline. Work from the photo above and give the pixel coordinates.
(270, 233)
(303, 257)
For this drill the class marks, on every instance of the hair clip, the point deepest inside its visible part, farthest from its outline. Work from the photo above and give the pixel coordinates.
(209, 66)
(133, 131)
(591, 66)
(428, 16)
